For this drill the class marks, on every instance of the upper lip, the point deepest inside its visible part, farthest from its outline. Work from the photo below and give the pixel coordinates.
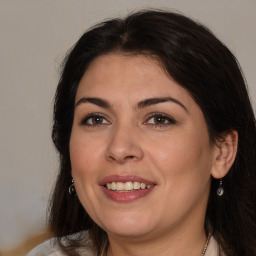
(124, 178)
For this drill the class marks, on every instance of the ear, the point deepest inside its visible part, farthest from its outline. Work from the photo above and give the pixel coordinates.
(225, 153)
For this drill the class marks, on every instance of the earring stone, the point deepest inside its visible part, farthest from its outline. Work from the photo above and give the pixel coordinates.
(220, 190)
(72, 189)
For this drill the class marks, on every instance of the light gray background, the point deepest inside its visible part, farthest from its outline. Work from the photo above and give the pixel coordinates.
(34, 38)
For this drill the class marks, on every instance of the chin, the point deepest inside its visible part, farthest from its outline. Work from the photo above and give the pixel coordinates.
(131, 232)
(128, 226)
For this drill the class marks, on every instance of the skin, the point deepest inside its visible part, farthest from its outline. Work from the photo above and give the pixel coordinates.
(128, 140)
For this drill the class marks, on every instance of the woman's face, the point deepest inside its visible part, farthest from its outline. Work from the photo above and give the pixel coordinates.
(140, 151)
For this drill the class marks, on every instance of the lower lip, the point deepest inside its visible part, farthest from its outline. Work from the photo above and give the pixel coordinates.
(126, 196)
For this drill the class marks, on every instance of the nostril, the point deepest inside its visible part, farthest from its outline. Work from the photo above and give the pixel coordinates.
(121, 159)
(111, 157)
(129, 157)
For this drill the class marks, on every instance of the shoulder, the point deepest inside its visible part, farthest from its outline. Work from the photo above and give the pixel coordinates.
(213, 248)
(48, 248)
(51, 248)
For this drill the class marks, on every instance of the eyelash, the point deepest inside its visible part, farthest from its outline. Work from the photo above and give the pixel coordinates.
(170, 121)
(84, 121)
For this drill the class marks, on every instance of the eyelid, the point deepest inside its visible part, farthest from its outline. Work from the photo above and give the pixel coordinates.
(171, 120)
(84, 120)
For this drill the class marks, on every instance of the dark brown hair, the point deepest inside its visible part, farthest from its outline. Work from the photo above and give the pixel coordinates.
(210, 73)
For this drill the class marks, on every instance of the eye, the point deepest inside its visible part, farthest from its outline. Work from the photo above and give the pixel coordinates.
(94, 120)
(160, 120)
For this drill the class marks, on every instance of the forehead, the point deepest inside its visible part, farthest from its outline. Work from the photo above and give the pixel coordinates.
(129, 77)
(133, 66)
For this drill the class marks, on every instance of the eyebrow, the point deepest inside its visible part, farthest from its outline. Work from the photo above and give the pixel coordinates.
(142, 104)
(153, 101)
(97, 101)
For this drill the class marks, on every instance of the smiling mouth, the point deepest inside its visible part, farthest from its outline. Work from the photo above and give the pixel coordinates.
(128, 186)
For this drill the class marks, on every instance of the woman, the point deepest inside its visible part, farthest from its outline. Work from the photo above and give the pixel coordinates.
(156, 136)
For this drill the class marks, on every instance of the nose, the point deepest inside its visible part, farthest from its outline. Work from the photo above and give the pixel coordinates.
(124, 145)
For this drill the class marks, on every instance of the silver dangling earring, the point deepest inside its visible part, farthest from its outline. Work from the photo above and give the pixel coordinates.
(72, 189)
(220, 190)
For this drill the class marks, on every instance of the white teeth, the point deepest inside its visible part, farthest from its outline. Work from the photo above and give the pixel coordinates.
(127, 186)
(143, 185)
(113, 186)
(136, 185)
(119, 186)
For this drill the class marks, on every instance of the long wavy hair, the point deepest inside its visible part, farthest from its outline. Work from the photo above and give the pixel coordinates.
(205, 67)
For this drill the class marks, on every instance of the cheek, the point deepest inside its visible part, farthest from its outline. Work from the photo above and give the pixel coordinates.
(85, 153)
(183, 158)
(185, 163)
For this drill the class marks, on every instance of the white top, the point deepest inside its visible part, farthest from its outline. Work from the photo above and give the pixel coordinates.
(49, 248)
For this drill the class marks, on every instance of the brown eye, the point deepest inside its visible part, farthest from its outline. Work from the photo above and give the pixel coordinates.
(94, 120)
(160, 120)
